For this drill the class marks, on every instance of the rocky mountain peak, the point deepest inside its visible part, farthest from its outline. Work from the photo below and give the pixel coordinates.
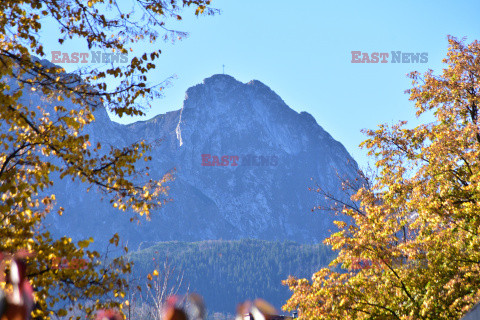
(261, 192)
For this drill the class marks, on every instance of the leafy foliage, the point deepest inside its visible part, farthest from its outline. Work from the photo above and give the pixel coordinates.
(228, 272)
(45, 138)
(418, 225)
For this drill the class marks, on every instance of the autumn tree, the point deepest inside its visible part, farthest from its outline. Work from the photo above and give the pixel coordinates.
(412, 249)
(46, 138)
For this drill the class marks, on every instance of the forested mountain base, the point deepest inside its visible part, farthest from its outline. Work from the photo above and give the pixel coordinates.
(228, 272)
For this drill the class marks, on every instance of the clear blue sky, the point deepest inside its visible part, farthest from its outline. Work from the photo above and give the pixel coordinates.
(302, 50)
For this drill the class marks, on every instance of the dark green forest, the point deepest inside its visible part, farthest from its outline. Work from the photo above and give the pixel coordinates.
(228, 272)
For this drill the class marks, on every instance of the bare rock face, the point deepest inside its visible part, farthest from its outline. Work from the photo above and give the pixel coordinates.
(244, 161)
